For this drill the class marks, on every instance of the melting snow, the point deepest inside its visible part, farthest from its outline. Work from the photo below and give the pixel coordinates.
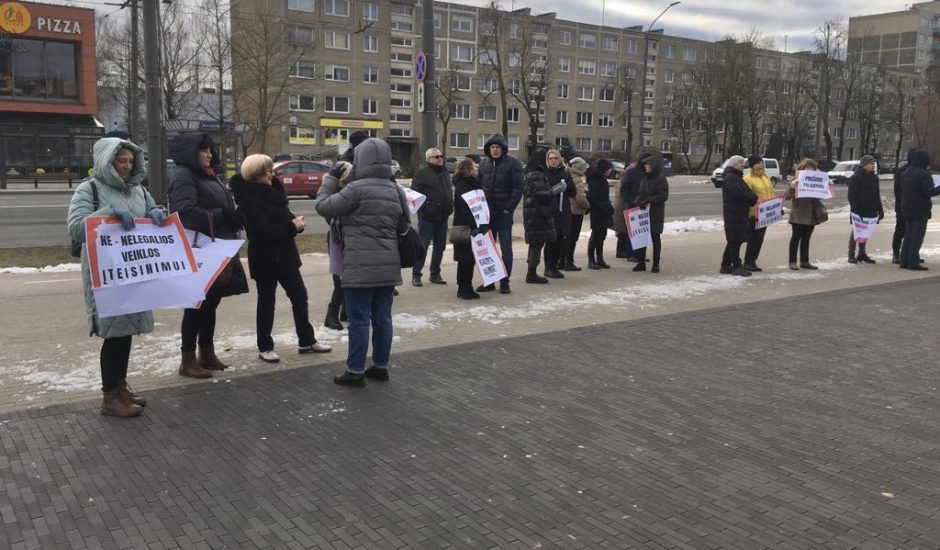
(61, 268)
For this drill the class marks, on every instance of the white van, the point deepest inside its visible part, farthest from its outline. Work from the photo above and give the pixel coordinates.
(842, 171)
(771, 168)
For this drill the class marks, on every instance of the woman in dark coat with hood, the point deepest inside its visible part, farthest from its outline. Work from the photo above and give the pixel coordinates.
(554, 253)
(653, 192)
(864, 200)
(272, 253)
(602, 211)
(539, 205)
(918, 189)
(737, 200)
(465, 180)
(205, 205)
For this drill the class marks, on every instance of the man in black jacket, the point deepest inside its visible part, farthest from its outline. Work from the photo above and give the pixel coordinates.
(865, 201)
(433, 182)
(502, 180)
(918, 188)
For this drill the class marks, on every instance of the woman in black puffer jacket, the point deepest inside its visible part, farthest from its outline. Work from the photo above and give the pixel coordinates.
(272, 253)
(465, 180)
(602, 211)
(539, 204)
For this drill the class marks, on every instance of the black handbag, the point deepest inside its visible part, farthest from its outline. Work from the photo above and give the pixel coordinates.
(77, 245)
(232, 280)
(409, 244)
(460, 234)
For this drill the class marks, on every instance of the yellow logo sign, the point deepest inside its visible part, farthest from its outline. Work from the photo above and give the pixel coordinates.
(14, 18)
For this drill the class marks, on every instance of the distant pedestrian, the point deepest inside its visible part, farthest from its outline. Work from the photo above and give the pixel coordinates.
(558, 173)
(465, 180)
(898, 215)
(116, 186)
(539, 204)
(918, 189)
(759, 182)
(653, 193)
(372, 212)
(602, 211)
(433, 181)
(579, 207)
(272, 253)
(737, 198)
(865, 201)
(501, 177)
(805, 215)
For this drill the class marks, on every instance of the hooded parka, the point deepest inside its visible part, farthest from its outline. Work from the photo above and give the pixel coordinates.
(198, 195)
(917, 185)
(654, 190)
(501, 178)
(538, 204)
(737, 199)
(865, 194)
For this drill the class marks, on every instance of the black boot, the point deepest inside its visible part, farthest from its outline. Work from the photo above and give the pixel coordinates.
(600, 263)
(466, 293)
(332, 318)
(640, 266)
(852, 259)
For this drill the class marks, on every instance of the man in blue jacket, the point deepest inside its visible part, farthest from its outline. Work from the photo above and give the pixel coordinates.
(501, 178)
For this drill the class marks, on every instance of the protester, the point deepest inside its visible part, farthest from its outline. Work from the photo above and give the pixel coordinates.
(805, 215)
(918, 189)
(539, 205)
(602, 211)
(373, 213)
(558, 173)
(898, 215)
(465, 180)
(433, 181)
(205, 205)
(629, 185)
(579, 207)
(116, 186)
(759, 182)
(653, 193)
(272, 253)
(865, 201)
(501, 177)
(737, 201)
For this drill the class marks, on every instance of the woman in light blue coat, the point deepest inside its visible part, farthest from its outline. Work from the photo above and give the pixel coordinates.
(119, 172)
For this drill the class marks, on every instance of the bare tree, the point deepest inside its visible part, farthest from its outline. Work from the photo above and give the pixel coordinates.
(179, 47)
(112, 61)
(626, 91)
(830, 40)
(849, 80)
(493, 23)
(448, 97)
(530, 66)
(217, 52)
(682, 116)
(900, 97)
(870, 99)
(794, 104)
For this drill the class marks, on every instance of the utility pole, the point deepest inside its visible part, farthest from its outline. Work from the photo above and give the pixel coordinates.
(156, 140)
(133, 96)
(428, 125)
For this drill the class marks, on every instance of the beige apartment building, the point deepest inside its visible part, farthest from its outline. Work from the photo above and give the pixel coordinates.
(907, 40)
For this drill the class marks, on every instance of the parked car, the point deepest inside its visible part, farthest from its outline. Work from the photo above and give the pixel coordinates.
(301, 177)
(451, 163)
(617, 172)
(771, 168)
(842, 171)
(396, 169)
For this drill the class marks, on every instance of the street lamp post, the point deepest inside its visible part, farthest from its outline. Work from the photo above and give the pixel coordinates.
(646, 57)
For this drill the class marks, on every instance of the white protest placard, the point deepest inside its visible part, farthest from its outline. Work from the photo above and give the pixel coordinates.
(862, 228)
(936, 180)
(476, 200)
(489, 262)
(768, 212)
(414, 199)
(813, 184)
(117, 257)
(638, 227)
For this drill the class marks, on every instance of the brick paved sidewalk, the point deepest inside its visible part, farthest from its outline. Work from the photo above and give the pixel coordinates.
(684, 431)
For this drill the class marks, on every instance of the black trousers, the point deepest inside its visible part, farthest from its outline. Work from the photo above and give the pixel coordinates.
(898, 237)
(199, 324)
(577, 220)
(799, 238)
(732, 254)
(657, 239)
(293, 284)
(754, 243)
(336, 299)
(115, 354)
(535, 256)
(852, 243)
(465, 274)
(596, 244)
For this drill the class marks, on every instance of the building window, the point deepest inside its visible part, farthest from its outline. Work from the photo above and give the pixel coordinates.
(515, 59)
(299, 36)
(370, 107)
(561, 117)
(610, 44)
(399, 132)
(303, 69)
(403, 26)
(338, 73)
(461, 23)
(689, 54)
(851, 134)
(629, 72)
(605, 120)
(587, 67)
(607, 94)
(585, 118)
(370, 12)
(460, 141)
(402, 57)
(564, 65)
(403, 41)
(336, 104)
(400, 72)
(608, 69)
(399, 102)
(400, 9)
(301, 5)
(370, 75)
(303, 135)
(487, 113)
(336, 40)
(437, 20)
(487, 85)
(588, 41)
(512, 142)
(303, 103)
(665, 146)
(670, 51)
(586, 93)
(370, 43)
(630, 45)
(487, 28)
(562, 91)
(400, 117)
(460, 111)
(512, 114)
(564, 38)
(515, 86)
(668, 75)
(487, 57)
(336, 7)
(584, 144)
(403, 88)
(604, 145)
(461, 52)
(515, 30)
(461, 83)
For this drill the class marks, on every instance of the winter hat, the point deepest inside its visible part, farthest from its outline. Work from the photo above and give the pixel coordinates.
(754, 159)
(866, 159)
(603, 165)
(734, 160)
(358, 137)
(920, 158)
(578, 164)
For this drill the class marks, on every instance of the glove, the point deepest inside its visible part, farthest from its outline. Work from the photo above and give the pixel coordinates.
(158, 216)
(558, 188)
(340, 170)
(479, 230)
(127, 220)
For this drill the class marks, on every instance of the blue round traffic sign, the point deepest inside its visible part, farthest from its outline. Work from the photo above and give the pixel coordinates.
(421, 67)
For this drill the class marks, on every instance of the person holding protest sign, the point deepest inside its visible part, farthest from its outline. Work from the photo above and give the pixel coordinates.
(653, 193)
(540, 200)
(373, 212)
(433, 181)
(204, 205)
(465, 180)
(865, 201)
(554, 252)
(759, 182)
(579, 207)
(272, 253)
(602, 211)
(805, 215)
(502, 178)
(737, 200)
(116, 191)
(629, 185)
(918, 189)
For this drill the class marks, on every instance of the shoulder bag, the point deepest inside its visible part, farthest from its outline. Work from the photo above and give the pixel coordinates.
(76, 248)
(409, 244)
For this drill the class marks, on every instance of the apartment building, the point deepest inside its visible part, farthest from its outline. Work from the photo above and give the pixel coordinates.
(907, 40)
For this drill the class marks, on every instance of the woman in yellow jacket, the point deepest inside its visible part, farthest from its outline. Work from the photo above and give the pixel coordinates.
(761, 185)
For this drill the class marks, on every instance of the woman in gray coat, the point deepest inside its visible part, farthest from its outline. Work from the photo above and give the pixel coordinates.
(805, 215)
(116, 186)
(371, 208)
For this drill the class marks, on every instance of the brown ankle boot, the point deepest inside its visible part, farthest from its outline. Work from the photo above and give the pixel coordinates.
(208, 359)
(129, 394)
(189, 366)
(115, 403)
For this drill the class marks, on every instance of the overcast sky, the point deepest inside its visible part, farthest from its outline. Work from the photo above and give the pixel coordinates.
(712, 19)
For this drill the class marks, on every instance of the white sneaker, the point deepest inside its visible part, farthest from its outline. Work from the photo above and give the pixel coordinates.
(269, 356)
(315, 348)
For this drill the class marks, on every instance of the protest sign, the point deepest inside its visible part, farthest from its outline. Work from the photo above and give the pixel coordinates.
(117, 257)
(638, 227)
(489, 262)
(862, 228)
(414, 199)
(768, 212)
(476, 200)
(812, 184)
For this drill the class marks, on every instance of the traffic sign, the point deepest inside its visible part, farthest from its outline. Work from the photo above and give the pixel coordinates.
(421, 97)
(421, 67)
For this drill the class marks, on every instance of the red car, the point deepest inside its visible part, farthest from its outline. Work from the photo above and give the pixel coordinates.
(301, 177)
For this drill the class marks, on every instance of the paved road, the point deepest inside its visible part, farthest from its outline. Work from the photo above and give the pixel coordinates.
(704, 435)
(39, 219)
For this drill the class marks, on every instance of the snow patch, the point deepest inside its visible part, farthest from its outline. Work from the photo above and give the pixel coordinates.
(61, 268)
(691, 225)
(407, 321)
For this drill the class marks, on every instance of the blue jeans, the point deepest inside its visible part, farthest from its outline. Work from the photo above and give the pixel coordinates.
(365, 307)
(431, 232)
(501, 225)
(914, 231)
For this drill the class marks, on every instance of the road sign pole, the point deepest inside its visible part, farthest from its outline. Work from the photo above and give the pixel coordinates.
(428, 139)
